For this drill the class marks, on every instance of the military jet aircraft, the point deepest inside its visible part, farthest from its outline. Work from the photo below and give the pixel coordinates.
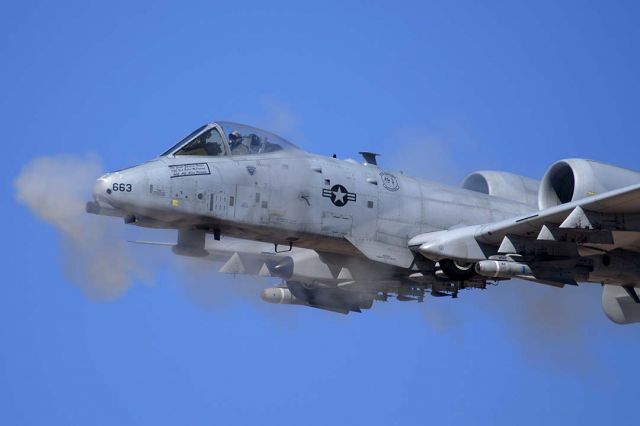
(341, 234)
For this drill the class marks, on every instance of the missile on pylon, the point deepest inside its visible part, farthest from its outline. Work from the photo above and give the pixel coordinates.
(279, 295)
(502, 268)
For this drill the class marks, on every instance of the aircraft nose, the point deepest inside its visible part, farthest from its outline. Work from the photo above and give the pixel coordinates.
(102, 190)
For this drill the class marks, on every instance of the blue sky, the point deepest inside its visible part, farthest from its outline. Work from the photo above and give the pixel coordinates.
(439, 88)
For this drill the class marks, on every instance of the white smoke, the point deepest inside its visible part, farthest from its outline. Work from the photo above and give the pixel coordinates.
(276, 117)
(554, 327)
(95, 255)
(279, 118)
(422, 153)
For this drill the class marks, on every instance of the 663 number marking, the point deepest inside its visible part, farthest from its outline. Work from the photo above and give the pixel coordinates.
(122, 187)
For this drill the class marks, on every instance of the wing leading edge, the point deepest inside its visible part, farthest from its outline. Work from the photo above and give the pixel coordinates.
(598, 223)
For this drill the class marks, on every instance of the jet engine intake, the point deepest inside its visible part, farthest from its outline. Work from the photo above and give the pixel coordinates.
(505, 185)
(575, 178)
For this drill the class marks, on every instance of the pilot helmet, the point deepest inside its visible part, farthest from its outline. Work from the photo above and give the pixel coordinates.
(235, 137)
(255, 140)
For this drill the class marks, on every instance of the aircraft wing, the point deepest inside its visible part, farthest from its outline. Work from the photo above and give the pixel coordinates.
(591, 225)
(237, 256)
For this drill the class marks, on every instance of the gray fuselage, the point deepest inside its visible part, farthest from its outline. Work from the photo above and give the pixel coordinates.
(297, 197)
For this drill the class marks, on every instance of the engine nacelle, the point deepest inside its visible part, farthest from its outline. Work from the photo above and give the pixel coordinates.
(619, 305)
(504, 185)
(575, 178)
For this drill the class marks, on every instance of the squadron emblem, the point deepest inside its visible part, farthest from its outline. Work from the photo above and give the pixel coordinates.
(389, 181)
(339, 195)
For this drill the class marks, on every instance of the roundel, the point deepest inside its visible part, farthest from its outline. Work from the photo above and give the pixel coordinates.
(339, 195)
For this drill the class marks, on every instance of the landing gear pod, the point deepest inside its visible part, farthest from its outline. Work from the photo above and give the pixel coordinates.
(456, 270)
(190, 243)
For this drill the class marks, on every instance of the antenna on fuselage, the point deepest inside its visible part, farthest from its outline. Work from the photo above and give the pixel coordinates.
(369, 158)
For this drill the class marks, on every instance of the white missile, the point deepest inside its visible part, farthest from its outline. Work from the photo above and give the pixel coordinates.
(502, 268)
(278, 295)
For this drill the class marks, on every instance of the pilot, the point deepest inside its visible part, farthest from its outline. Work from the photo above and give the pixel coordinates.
(236, 145)
(254, 143)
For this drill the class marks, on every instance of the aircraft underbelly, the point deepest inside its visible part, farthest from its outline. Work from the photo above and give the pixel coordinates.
(336, 224)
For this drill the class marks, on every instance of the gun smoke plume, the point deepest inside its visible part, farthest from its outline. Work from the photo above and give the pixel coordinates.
(94, 252)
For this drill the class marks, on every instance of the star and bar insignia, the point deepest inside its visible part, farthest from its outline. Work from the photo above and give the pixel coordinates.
(339, 195)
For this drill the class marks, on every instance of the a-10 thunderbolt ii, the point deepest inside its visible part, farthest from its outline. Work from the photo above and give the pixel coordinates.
(341, 234)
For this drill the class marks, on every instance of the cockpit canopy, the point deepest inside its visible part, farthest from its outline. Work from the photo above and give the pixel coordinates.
(226, 138)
